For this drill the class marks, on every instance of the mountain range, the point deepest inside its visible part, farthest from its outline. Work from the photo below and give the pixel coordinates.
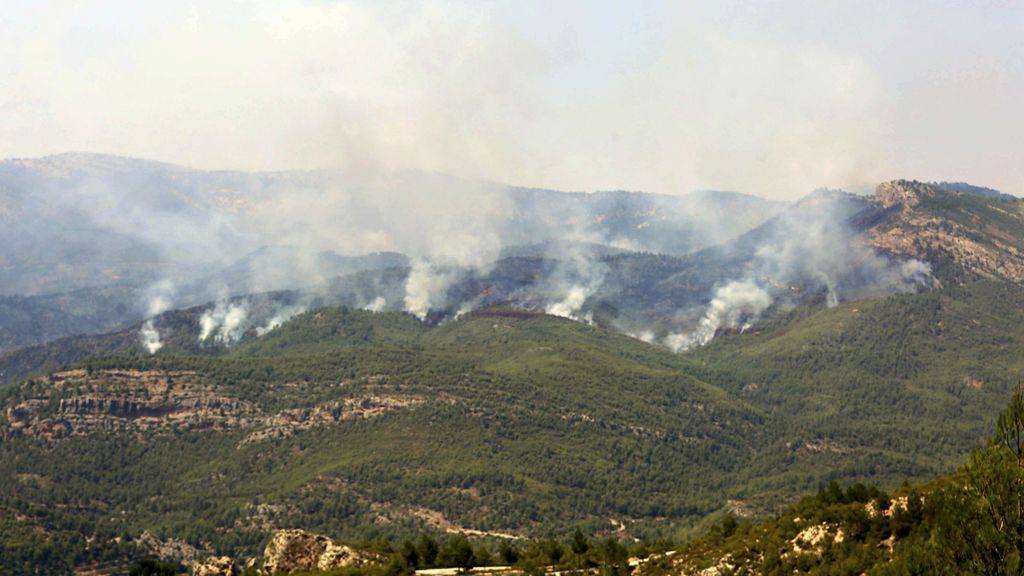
(628, 363)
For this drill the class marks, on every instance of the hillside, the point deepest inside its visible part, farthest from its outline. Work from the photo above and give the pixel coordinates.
(875, 390)
(284, 409)
(637, 262)
(89, 241)
(969, 522)
(360, 424)
(963, 235)
(501, 422)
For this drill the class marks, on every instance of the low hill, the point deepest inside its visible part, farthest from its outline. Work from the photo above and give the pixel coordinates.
(876, 390)
(969, 522)
(518, 424)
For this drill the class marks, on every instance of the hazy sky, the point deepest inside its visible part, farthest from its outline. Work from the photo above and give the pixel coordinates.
(768, 97)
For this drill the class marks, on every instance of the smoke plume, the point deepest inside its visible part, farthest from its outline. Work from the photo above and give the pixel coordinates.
(226, 323)
(160, 299)
(283, 315)
(738, 304)
(810, 247)
(376, 305)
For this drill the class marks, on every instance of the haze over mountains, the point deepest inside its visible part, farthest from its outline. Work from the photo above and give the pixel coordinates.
(142, 236)
(363, 288)
(574, 359)
(93, 243)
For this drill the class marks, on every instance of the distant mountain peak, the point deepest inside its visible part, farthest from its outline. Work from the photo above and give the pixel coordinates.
(824, 196)
(965, 188)
(67, 162)
(908, 193)
(977, 234)
(905, 193)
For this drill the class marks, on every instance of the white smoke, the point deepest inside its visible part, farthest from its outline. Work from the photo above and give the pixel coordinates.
(282, 316)
(572, 303)
(150, 337)
(738, 304)
(450, 228)
(575, 298)
(579, 273)
(376, 305)
(159, 300)
(647, 336)
(917, 272)
(426, 287)
(813, 242)
(225, 322)
(831, 296)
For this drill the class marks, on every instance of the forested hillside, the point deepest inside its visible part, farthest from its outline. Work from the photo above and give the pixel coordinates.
(797, 364)
(360, 424)
(968, 522)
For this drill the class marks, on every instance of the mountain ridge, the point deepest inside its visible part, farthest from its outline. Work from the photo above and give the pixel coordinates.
(844, 355)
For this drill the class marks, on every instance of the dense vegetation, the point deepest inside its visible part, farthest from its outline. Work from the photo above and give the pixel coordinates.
(535, 425)
(970, 522)
(510, 422)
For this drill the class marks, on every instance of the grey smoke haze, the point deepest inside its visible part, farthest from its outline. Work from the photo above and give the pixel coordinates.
(777, 97)
(812, 245)
(415, 110)
(198, 237)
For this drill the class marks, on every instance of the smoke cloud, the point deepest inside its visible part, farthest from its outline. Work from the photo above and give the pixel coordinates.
(159, 300)
(737, 305)
(524, 92)
(150, 337)
(377, 305)
(811, 246)
(226, 323)
(427, 287)
(572, 283)
(282, 316)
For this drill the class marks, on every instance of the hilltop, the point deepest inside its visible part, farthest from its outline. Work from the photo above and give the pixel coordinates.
(968, 522)
(963, 235)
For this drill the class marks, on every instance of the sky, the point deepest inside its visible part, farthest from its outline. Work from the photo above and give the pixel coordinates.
(771, 97)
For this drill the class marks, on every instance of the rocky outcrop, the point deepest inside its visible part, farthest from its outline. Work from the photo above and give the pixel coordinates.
(117, 407)
(980, 235)
(115, 399)
(812, 539)
(215, 566)
(287, 422)
(901, 193)
(293, 550)
(77, 402)
(169, 549)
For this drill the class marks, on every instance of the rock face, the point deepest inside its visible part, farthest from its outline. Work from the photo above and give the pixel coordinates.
(78, 402)
(902, 193)
(292, 550)
(983, 236)
(216, 566)
(170, 549)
